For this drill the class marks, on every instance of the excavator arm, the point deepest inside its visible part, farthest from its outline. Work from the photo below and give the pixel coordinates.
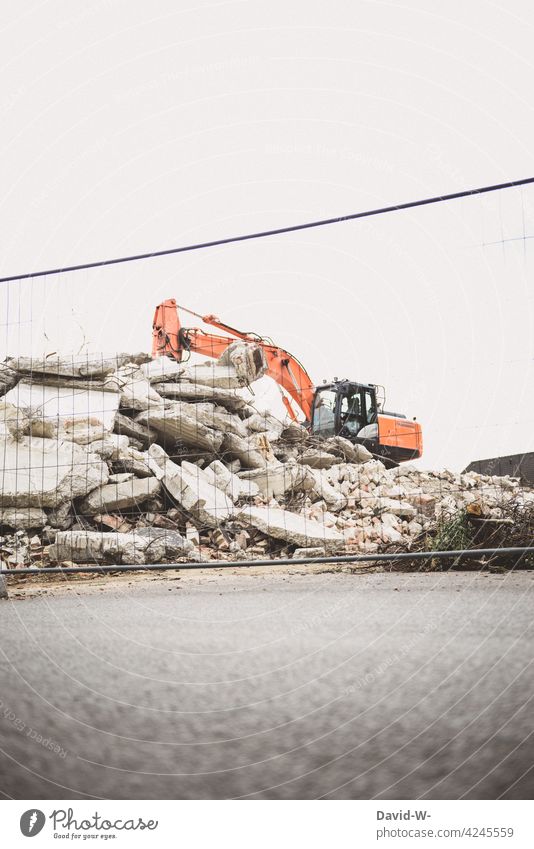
(170, 339)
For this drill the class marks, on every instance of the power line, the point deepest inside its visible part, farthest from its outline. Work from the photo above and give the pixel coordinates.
(262, 234)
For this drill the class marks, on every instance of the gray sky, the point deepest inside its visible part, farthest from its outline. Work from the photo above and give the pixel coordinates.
(131, 126)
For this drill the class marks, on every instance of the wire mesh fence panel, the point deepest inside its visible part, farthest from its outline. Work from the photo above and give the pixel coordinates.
(128, 459)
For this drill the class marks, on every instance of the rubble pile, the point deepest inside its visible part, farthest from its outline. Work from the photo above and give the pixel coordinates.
(127, 459)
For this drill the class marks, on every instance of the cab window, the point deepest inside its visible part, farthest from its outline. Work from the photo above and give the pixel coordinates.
(324, 413)
(370, 407)
(351, 414)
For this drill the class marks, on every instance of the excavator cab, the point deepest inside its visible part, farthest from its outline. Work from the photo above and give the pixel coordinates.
(354, 411)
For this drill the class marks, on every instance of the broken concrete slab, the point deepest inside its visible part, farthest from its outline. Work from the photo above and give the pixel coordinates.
(174, 543)
(230, 483)
(309, 553)
(192, 490)
(180, 422)
(96, 547)
(254, 452)
(349, 451)
(265, 423)
(8, 378)
(136, 462)
(227, 398)
(57, 412)
(75, 366)
(46, 472)
(323, 489)
(126, 426)
(109, 447)
(136, 391)
(119, 496)
(274, 481)
(211, 374)
(23, 518)
(317, 458)
(61, 517)
(291, 527)
(162, 369)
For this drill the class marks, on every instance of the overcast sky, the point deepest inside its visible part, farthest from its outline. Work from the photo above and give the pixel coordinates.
(130, 126)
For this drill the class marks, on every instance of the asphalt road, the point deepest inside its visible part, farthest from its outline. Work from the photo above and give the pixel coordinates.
(270, 686)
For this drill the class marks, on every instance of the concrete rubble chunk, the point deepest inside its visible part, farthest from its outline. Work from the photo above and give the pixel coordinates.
(162, 369)
(113, 547)
(254, 452)
(174, 543)
(23, 518)
(90, 366)
(275, 481)
(227, 398)
(265, 423)
(61, 517)
(309, 553)
(192, 489)
(291, 527)
(180, 422)
(46, 472)
(240, 365)
(136, 462)
(136, 391)
(56, 412)
(109, 447)
(247, 359)
(324, 490)
(349, 451)
(212, 374)
(228, 482)
(8, 378)
(135, 430)
(317, 458)
(119, 496)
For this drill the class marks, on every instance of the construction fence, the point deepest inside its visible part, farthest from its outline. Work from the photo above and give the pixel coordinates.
(132, 460)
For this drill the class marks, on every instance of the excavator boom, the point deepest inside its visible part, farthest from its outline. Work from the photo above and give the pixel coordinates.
(169, 338)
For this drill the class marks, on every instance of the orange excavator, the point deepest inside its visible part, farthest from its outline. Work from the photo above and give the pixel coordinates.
(341, 408)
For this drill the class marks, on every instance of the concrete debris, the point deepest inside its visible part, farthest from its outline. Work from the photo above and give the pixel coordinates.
(193, 490)
(233, 485)
(291, 527)
(247, 359)
(180, 422)
(57, 412)
(274, 481)
(175, 544)
(227, 398)
(131, 460)
(162, 369)
(253, 452)
(136, 392)
(30, 517)
(8, 378)
(113, 547)
(309, 553)
(46, 472)
(74, 367)
(126, 426)
(119, 496)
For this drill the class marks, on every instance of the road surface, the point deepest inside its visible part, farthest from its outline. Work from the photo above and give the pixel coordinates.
(270, 685)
